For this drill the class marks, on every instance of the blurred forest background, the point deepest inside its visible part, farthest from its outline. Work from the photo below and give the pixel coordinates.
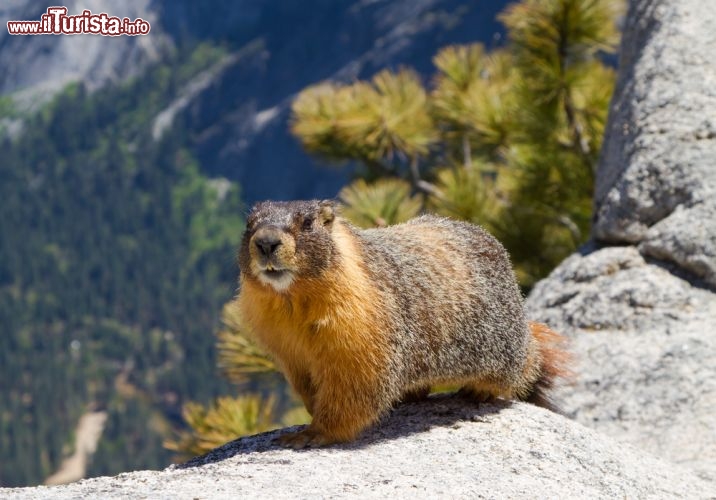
(128, 165)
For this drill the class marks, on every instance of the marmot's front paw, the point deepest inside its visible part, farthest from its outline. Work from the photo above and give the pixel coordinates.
(307, 438)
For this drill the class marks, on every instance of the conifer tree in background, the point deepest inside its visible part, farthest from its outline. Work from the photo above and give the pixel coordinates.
(507, 139)
(563, 96)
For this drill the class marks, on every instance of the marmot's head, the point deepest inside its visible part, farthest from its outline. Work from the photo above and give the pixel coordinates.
(285, 241)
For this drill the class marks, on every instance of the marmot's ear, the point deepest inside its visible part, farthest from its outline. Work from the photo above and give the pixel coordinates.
(326, 212)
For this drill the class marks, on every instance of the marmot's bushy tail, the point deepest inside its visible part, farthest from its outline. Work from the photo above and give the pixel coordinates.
(554, 363)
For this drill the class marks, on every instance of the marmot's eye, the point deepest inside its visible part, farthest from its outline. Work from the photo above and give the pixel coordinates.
(307, 224)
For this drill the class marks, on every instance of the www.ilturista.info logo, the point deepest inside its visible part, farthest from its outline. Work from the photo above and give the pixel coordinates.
(56, 22)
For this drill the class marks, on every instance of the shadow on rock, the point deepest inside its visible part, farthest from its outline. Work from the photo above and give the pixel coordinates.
(440, 410)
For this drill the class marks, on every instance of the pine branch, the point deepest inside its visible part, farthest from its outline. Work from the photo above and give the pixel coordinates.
(466, 151)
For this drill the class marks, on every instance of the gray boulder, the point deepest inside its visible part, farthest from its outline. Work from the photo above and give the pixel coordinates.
(645, 347)
(443, 448)
(638, 301)
(656, 183)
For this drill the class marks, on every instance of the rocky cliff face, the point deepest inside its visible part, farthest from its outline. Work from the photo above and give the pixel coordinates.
(36, 67)
(645, 347)
(639, 302)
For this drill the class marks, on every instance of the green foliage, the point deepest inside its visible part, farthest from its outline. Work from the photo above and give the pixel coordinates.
(223, 421)
(552, 40)
(563, 101)
(7, 107)
(384, 202)
(467, 193)
(473, 100)
(239, 356)
(384, 123)
(115, 260)
(508, 139)
(555, 45)
(199, 59)
(209, 210)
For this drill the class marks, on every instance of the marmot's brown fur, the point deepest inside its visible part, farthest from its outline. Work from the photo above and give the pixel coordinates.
(359, 319)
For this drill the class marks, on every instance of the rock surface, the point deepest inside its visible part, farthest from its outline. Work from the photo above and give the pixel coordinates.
(645, 343)
(444, 447)
(656, 183)
(642, 315)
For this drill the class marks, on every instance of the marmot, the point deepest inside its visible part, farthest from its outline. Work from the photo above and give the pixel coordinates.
(358, 319)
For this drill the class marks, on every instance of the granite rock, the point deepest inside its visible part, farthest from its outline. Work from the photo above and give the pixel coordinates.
(441, 448)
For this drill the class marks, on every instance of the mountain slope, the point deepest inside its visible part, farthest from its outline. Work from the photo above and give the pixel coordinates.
(116, 256)
(237, 125)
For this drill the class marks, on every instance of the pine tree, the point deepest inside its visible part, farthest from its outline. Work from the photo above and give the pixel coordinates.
(239, 357)
(384, 123)
(225, 420)
(563, 95)
(382, 203)
(507, 139)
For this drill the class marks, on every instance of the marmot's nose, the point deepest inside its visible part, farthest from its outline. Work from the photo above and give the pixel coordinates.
(267, 241)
